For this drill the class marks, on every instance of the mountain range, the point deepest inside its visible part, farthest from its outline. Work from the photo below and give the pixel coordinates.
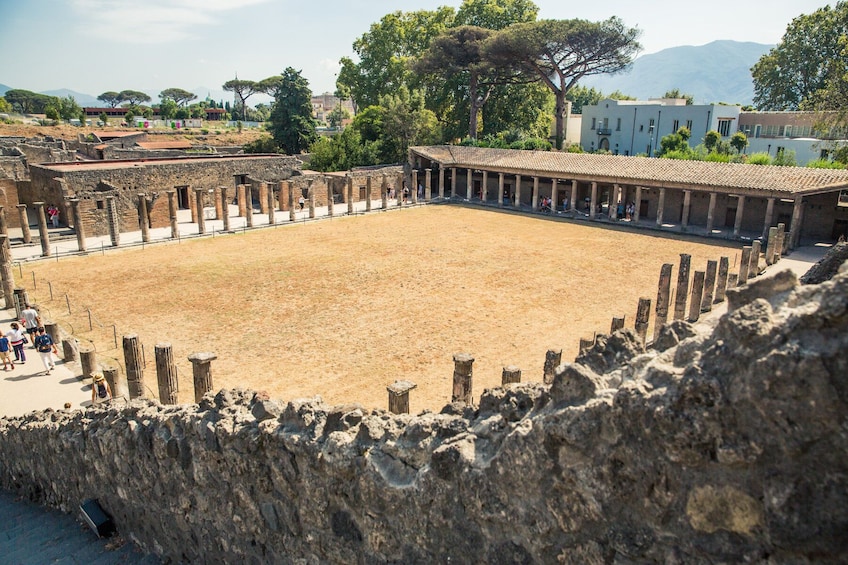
(716, 72)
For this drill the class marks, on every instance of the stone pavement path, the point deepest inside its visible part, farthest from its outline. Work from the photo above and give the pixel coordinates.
(33, 535)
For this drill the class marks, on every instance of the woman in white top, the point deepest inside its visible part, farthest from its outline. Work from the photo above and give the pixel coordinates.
(16, 340)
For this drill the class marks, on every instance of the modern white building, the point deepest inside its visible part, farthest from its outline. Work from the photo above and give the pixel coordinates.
(635, 127)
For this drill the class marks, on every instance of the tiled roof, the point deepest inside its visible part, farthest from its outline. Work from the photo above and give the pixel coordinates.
(644, 171)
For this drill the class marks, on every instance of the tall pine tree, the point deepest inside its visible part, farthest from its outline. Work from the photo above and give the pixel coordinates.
(291, 123)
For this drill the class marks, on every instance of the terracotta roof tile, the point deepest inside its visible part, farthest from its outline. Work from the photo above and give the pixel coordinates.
(652, 172)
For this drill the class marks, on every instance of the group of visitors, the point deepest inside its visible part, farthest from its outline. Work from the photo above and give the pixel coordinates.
(545, 204)
(28, 330)
(625, 211)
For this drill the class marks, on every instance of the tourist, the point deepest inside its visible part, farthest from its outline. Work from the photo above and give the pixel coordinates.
(405, 193)
(31, 321)
(4, 353)
(53, 214)
(46, 349)
(301, 201)
(16, 340)
(100, 391)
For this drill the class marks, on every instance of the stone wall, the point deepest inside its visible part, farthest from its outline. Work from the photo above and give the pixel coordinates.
(724, 444)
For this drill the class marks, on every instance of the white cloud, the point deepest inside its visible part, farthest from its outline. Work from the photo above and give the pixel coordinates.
(152, 21)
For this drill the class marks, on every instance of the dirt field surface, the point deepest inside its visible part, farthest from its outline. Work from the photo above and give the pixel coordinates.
(216, 136)
(343, 307)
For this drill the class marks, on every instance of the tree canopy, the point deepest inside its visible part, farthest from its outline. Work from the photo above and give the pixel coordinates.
(111, 98)
(178, 95)
(291, 123)
(133, 97)
(561, 52)
(807, 64)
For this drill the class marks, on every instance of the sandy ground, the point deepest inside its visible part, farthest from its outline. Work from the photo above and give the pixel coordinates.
(216, 136)
(343, 307)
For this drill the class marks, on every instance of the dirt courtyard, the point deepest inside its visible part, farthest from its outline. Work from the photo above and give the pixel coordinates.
(343, 307)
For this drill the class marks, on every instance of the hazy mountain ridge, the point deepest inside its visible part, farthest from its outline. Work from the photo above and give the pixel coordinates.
(716, 72)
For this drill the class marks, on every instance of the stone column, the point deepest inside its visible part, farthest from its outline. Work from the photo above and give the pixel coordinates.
(52, 329)
(469, 183)
(283, 196)
(554, 196)
(721, 282)
(399, 396)
(661, 208)
(534, 201)
(697, 296)
(271, 202)
(709, 286)
(22, 211)
(201, 221)
(462, 378)
(593, 201)
(500, 190)
(248, 208)
(192, 204)
(779, 243)
(441, 182)
(517, 201)
(682, 286)
(367, 195)
(413, 190)
(263, 197)
(711, 213)
(201, 370)
(20, 300)
(4, 227)
(7, 274)
(225, 207)
(637, 206)
(643, 316)
(310, 194)
(510, 374)
(43, 235)
(553, 357)
(744, 263)
(172, 213)
(79, 227)
(88, 361)
(795, 227)
(133, 361)
(585, 344)
(770, 243)
(740, 209)
(240, 196)
(114, 224)
(349, 195)
(616, 324)
(117, 382)
(453, 182)
(400, 183)
(612, 211)
(142, 218)
(769, 217)
(330, 197)
(220, 205)
(484, 187)
(428, 181)
(687, 202)
(574, 196)
(754, 265)
(384, 193)
(166, 373)
(70, 350)
(663, 298)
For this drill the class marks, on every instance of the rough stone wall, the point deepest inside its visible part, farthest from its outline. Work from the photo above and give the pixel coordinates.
(725, 444)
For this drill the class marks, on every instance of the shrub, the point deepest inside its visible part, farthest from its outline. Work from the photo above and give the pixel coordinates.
(825, 164)
(759, 159)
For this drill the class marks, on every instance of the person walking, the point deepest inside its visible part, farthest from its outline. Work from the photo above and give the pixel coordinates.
(100, 391)
(53, 214)
(16, 340)
(4, 352)
(32, 321)
(46, 349)
(301, 201)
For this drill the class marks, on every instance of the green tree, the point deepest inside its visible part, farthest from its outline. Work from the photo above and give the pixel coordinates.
(133, 97)
(68, 108)
(337, 115)
(111, 98)
(178, 95)
(711, 139)
(168, 109)
(385, 51)
(52, 113)
(561, 52)
(243, 89)
(5, 107)
(675, 145)
(495, 14)
(291, 123)
(804, 62)
(28, 102)
(104, 118)
(342, 152)
(580, 96)
(675, 93)
(405, 122)
(739, 141)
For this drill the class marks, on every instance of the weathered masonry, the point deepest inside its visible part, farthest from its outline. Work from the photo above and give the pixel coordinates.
(712, 199)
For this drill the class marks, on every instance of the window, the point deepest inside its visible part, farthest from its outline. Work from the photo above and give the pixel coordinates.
(618, 125)
(100, 204)
(593, 124)
(724, 127)
(675, 125)
(788, 132)
(689, 125)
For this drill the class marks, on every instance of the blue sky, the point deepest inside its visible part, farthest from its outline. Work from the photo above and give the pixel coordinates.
(92, 46)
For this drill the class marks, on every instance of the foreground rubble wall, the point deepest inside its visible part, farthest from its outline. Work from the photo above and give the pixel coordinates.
(726, 443)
